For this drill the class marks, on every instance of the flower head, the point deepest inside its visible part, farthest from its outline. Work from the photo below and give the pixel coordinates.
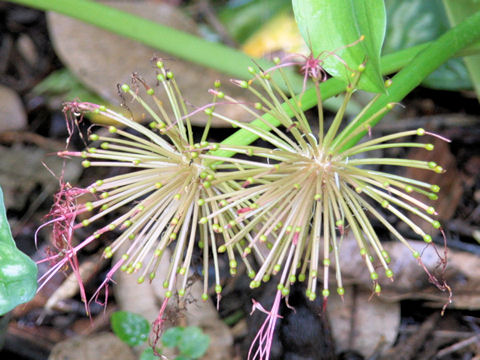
(160, 201)
(314, 189)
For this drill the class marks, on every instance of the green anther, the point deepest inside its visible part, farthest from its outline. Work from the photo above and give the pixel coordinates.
(254, 284)
(125, 88)
(173, 236)
(361, 67)
(251, 274)
(201, 202)
(104, 207)
(429, 147)
(390, 106)
(112, 227)
(276, 268)
(208, 111)
(431, 210)
(125, 257)
(112, 129)
(435, 188)
(292, 279)
(224, 203)
(432, 164)
(127, 223)
(296, 186)
(160, 77)
(89, 206)
(285, 292)
(254, 206)
(341, 291)
(233, 271)
(131, 236)
(269, 245)
(312, 296)
(373, 275)
(141, 279)
(233, 264)
(94, 137)
(85, 223)
(339, 223)
(378, 289)
(385, 203)
(204, 297)
(388, 83)
(181, 292)
(258, 106)
(408, 189)
(136, 162)
(169, 75)
(220, 94)
(243, 84)
(177, 196)
(168, 294)
(204, 144)
(158, 185)
(165, 284)
(129, 269)
(222, 249)
(218, 289)
(174, 221)
(251, 70)
(151, 276)
(416, 254)
(124, 268)
(159, 64)
(105, 145)
(326, 262)
(99, 182)
(420, 131)
(207, 184)
(386, 256)
(200, 244)
(86, 163)
(102, 108)
(325, 293)
(194, 155)
(210, 177)
(438, 169)
(266, 278)
(150, 91)
(317, 197)
(152, 125)
(182, 271)
(96, 111)
(436, 224)
(301, 277)
(298, 229)
(389, 273)
(104, 195)
(247, 251)
(358, 190)
(215, 147)
(263, 238)
(386, 184)
(308, 292)
(433, 196)
(427, 238)
(313, 274)
(289, 229)
(276, 60)
(250, 152)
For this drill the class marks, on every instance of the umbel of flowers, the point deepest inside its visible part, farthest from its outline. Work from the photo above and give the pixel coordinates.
(289, 203)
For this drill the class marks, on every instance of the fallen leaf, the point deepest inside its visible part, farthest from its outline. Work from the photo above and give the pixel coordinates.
(101, 60)
(12, 112)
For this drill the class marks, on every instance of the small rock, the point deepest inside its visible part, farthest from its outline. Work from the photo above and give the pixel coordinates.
(12, 112)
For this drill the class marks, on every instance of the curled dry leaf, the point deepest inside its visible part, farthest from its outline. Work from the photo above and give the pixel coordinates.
(84, 48)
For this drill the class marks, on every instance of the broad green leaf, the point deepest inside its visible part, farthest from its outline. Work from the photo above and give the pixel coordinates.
(194, 342)
(18, 273)
(333, 30)
(457, 11)
(131, 328)
(412, 22)
(171, 337)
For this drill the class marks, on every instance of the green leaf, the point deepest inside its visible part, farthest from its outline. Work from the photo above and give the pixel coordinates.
(457, 11)
(18, 273)
(194, 342)
(411, 22)
(131, 328)
(335, 26)
(171, 337)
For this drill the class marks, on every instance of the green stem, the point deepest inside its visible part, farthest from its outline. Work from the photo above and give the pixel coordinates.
(167, 39)
(424, 63)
